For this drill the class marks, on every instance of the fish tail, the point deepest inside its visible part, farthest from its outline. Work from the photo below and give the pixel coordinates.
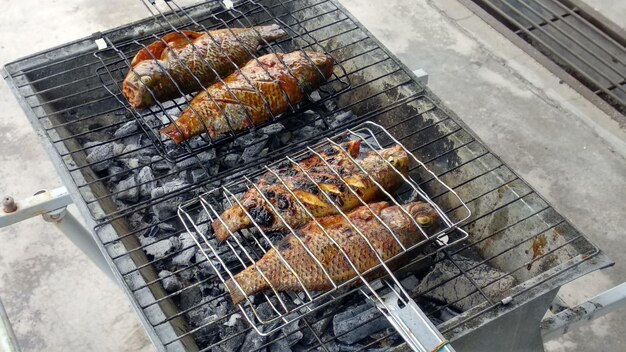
(250, 282)
(234, 218)
(271, 32)
(189, 124)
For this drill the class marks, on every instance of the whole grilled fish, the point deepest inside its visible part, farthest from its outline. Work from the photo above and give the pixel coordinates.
(263, 88)
(281, 278)
(157, 69)
(306, 187)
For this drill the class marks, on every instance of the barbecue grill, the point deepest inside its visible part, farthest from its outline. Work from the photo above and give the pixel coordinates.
(129, 184)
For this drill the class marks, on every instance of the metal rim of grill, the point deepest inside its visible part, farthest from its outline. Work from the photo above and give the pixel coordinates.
(67, 103)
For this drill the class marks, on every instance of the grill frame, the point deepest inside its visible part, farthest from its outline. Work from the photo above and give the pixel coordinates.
(534, 287)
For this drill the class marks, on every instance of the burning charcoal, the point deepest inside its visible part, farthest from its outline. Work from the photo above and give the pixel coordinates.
(97, 154)
(273, 129)
(248, 139)
(127, 129)
(127, 189)
(115, 173)
(253, 342)
(357, 323)
(231, 160)
(318, 327)
(202, 222)
(162, 248)
(451, 286)
(146, 179)
(252, 152)
(190, 296)
(131, 163)
(293, 332)
(170, 282)
(166, 209)
(201, 315)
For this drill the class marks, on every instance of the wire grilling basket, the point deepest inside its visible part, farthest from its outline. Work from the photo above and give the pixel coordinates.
(245, 247)
(117, 56)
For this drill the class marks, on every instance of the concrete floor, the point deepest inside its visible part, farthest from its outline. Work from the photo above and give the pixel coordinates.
(570, 151)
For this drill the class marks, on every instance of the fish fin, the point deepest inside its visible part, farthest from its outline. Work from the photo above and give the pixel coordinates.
(172, 132)
(354, 147)
(271, 32)
(235, 293)
(241, 221)
(156, 49)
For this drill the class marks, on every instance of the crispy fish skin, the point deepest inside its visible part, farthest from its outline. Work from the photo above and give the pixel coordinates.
(178, 53)
(308, 193)
(263, 88)
(281, 278)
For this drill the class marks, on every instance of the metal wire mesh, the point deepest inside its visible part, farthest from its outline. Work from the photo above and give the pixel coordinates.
(512, 228)
(246, 14)
(374, 138)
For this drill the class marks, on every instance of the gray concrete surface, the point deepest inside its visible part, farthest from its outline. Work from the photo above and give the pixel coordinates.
(565, 147)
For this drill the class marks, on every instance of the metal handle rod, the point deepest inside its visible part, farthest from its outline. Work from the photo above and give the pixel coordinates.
(8, 342)
(594, 308)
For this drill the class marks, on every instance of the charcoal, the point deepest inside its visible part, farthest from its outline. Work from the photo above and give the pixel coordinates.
(293, 332)
(315, 96)
(202, 222)
(162, 248)
(357, 323)
(127, 129)
(127, 189)
(131, 163)
(183, 258)
(201, 315)
(146, 179)
(166, 226)
(167, 188)
(231, 160)
(190, 296)
(318, 327)
(272, 129)
(253, 342)
(198, 175)
(170, 282)
(119, 149)
(341, 118)
(280, 346)
(186, 240)
(330, 105)
(445, 283)
(166, 209)
(97, 154)
(230, 330)
(115, 173)
(285, 137)
(246, 140)
(309, 117)
(307, 132)
(252, 151)
(135, 220)
(159, 164)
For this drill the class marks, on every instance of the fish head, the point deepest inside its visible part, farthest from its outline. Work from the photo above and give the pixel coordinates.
(397, 157)
(141, 83)
(424, 214)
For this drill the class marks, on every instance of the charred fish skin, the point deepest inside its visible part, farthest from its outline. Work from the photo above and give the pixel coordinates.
(177, 57)
(322, 191)
(263, 88)
(356, 246)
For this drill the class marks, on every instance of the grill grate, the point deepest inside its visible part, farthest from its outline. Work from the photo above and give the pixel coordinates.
(374, 138)
(587, 50)
(511, 228)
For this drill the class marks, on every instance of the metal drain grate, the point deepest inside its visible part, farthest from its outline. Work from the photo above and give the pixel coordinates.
(589, 50)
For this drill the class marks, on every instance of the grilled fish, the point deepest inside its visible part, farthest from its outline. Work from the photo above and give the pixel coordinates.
(319, 190)
(263, 88)
(280, 277)
(157, 69)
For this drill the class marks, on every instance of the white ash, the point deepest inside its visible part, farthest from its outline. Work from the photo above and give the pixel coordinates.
(99, 153)
(126, 130)
(127, 190)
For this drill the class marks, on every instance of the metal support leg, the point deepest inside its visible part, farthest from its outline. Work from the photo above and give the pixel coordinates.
(52, 206)
(8, 342)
